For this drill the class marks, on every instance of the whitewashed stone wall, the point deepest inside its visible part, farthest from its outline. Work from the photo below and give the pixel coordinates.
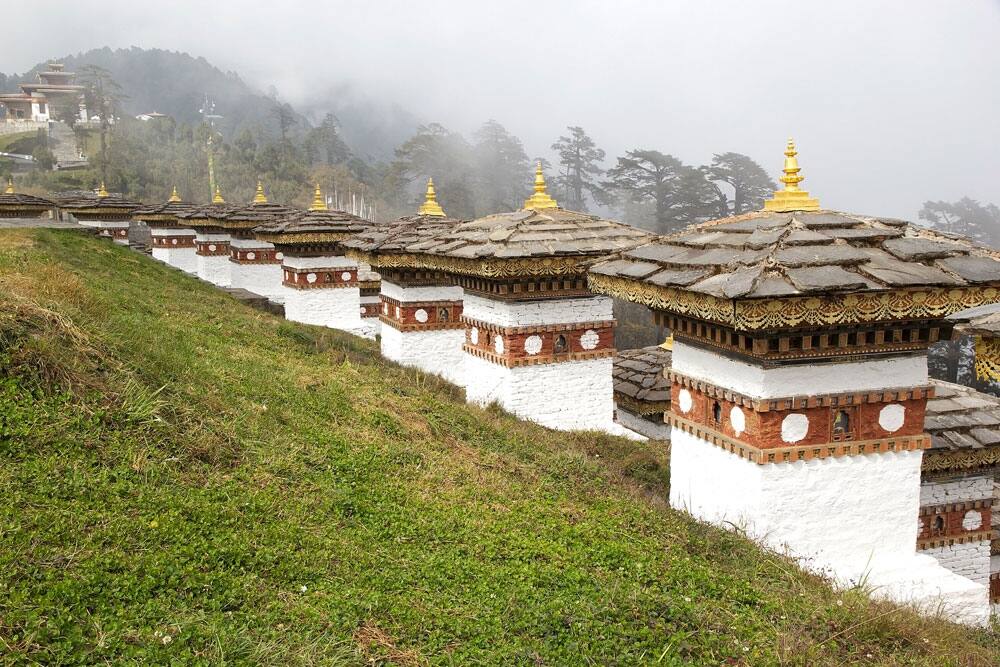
(956, 491)
(421, 293)
(971, 560)
(334, 307)
(851, 517)
(215, 269)
(568, 395)
(102, 226)
(185, 259)
(437, 352)
(756, 381)
(642, 426)
(531, 313)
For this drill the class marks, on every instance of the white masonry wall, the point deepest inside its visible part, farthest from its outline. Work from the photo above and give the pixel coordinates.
(214, 269)
(641, 425)
(185, 259)
(262, 279)
(334, 307)
(756, 381)
(566, 395)
(851, 517)
(438, 352)
(971, 559)
(107, 228)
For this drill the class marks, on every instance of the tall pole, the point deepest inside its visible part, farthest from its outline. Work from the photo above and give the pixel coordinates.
(211, 167)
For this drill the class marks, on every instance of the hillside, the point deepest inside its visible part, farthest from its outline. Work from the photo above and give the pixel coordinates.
(176, 83)
(184, 479)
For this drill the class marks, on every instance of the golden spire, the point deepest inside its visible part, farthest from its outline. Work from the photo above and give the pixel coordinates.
(541, 199)
(430, 205)
(668, 344)
(319, 201)
(791, 198)
(217, 198)
(260, 197)
(102, 191)
(174, 196)
(10, 186)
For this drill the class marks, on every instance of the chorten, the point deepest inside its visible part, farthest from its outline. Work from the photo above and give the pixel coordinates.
(255, 265)
(799, 380)
(319, 283)
(16, 205)
(173, 243)
(537, 341)
(109, 214)
(211, 239)
(420, 310)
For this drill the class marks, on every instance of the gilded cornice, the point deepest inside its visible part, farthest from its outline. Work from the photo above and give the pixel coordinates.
(761, 314)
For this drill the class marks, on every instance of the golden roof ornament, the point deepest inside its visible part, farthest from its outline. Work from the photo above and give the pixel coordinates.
(791, 198)
(217, 197)
(541, 199)
(431, 206)
(102, 191)
(668, 344)
(319, 201)
(174, 197)
(260, 197)
(10, 186)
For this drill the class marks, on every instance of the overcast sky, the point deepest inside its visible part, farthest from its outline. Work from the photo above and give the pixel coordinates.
(891, 103)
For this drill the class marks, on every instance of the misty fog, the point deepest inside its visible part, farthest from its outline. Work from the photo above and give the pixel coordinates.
(890, 103)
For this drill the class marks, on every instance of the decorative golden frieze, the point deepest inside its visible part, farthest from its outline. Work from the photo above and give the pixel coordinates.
(303, 238)
(960, 459)
(641, 408)
(487, 268)
(756, 314)
(987, 358)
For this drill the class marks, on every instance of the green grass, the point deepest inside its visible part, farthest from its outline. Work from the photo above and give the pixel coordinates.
(22, 143)
(184, 480)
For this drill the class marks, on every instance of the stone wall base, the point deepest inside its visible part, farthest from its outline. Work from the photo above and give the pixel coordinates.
(438, 352)
(185, 259)
(263, 279)
(569, 395)
(852, 518)
(337, 308)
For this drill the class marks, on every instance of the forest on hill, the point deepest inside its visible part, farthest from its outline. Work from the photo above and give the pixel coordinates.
(383, 154)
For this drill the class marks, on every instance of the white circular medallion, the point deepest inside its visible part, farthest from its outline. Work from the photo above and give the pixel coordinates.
(362, 310)
(211, 247)
(345, 276)
(533, 344)
(251, 255)
(385, 308)
(174, 241)
(891, 417)
(589, 339)
(684, 400)
(738, 420)
(279, 255)
(311, 277)
(420, 315)
(972, 520)
(474, 335)
(794, 427)
(498, 344)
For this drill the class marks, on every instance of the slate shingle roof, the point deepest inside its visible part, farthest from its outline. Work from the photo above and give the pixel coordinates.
(164, 212)
(981, 321)
(529, 234)
(395, 237)
(639, 380)
(81, 200)
(19, 203)
(255, 215)
(311, 226)
(770, 254)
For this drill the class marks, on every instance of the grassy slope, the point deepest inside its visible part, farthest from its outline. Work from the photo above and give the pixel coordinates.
(290, 498)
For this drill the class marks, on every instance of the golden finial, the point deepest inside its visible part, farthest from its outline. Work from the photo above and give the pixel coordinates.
(102, 191)
(791, 198)
(217, 197)
(260, 197)
(174, 196)
(668, 344)
(541, 199)
(430, 205)
(10, 186)
(319, 201)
